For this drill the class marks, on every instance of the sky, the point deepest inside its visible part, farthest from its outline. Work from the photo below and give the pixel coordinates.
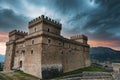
(98, 19)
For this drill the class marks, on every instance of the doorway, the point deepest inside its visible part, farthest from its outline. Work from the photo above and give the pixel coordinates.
(20, 64)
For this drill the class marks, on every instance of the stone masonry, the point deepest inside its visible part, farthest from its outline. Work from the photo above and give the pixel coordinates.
(43, 52)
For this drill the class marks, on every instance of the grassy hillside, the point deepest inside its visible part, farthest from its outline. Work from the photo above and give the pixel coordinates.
(18, 75)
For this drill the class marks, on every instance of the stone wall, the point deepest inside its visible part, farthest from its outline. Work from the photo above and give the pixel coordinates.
(97, 76)
(63, 55)
(9, 56)
(116, 67)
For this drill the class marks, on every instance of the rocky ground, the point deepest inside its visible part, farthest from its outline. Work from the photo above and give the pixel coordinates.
(116, 76)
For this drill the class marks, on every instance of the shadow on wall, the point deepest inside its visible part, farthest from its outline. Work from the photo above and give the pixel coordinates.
(51, 72)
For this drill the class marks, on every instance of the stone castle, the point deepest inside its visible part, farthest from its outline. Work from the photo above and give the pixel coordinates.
(43, 52)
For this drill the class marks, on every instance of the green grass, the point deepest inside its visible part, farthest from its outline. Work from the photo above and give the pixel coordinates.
(17, 75)
(87, 69)
(4, 77)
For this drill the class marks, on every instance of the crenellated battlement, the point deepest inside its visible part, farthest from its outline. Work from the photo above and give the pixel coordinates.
(18, 32)
(79, 37)
(43, 18)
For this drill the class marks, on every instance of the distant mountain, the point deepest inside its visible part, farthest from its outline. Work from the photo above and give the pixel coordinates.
(2, 57)
(104, 54)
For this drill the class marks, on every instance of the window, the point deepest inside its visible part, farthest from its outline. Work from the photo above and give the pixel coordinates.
(32, 41)
(35, 29)
(49, 41)
(31, 51)
(62, 52)
(63, 43)
(68, 45)
(20, 64)
(48, 30)
(17, 51)
(23, 52)
(59, 44)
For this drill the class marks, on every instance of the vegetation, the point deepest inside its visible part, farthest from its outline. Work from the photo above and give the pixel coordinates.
(103, 54)
(88, 69)
(1, 66)
(79, 71)
(17, 75)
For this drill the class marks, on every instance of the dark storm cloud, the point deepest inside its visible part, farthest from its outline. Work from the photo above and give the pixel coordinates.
(100, 19)
(62, 6)
(9, 20)
(12, 4)
(103, 25)
(68, 6)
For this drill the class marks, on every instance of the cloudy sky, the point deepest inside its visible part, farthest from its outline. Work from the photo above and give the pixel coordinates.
(98, 19)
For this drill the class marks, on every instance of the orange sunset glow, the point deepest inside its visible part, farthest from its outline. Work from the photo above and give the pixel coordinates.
(92, 43)
(110, 43)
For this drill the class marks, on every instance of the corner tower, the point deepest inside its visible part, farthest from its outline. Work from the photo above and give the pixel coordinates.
(11, 46)
(80, 38)
(44, 25)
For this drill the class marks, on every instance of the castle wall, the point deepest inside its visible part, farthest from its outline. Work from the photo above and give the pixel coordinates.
(63, 55)
(73, 56)
(52, 29)
(9, 56)
(51, 57)
(37, 27)
(32, 61)
(72, 60)
(19, 55)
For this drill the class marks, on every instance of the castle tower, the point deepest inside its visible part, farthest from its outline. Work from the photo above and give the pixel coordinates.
(83, 39)
(44, 25)
(40, 41)
(10, 50)
(80, 38)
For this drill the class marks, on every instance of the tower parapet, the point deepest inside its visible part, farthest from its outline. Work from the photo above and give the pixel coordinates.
(80, 38)
(43, 18)
(16, 34)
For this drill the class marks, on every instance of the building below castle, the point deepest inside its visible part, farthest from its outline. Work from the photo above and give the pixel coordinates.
(43, 52)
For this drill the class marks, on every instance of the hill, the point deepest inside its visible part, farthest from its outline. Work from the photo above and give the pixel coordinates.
(104, 54)
(19, 75)
(2, 57)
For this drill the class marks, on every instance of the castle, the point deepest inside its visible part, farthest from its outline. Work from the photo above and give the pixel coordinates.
(43, 52)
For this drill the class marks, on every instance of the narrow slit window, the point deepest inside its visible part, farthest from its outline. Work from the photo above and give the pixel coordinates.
(32, 41)
(31, 51)
(35, 29)
(48, 30)
(49, 41)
